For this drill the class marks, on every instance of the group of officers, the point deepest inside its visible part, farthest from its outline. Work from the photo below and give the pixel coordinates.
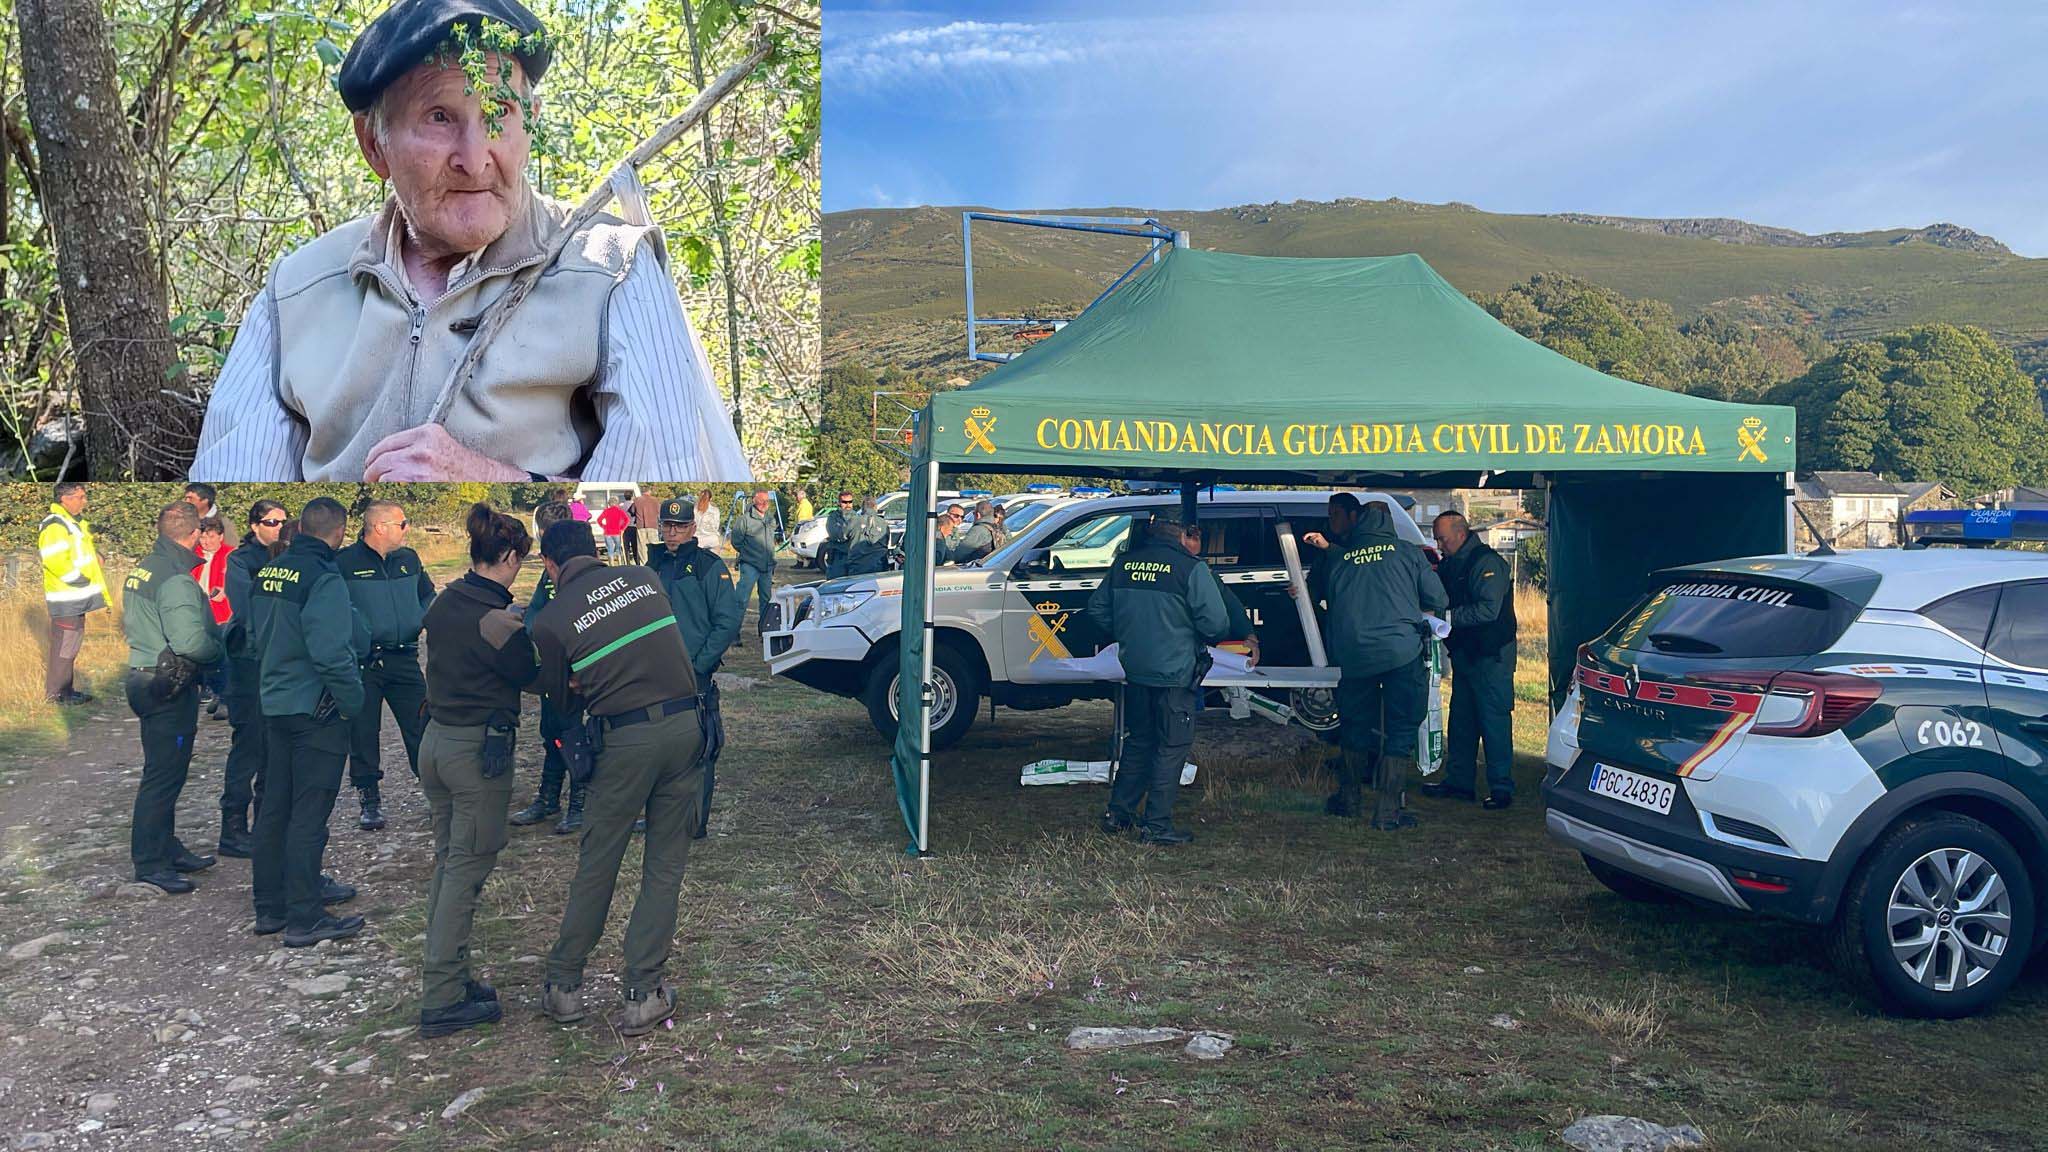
(857, 538)
(324, 635)
(1163, 607)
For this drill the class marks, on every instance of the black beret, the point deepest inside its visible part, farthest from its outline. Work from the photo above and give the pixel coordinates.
(409, 30)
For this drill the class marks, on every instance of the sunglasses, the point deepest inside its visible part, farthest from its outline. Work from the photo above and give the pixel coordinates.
(272, 523)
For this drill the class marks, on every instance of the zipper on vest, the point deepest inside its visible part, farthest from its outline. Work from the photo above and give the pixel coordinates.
(419, 323)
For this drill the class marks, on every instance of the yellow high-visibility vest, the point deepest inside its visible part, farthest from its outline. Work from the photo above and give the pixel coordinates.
(71, 565)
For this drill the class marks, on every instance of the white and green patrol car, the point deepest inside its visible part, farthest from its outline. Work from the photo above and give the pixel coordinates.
(1004, 621)
(1857, 739)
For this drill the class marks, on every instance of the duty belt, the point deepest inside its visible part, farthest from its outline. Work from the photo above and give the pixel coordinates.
(651, 712)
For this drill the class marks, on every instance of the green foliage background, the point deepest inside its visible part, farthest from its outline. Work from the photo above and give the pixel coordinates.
(248, 152)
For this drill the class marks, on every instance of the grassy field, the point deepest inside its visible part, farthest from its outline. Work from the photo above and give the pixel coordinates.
(1464, 985)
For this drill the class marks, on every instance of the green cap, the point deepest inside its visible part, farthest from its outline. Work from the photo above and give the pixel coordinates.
(678, 512)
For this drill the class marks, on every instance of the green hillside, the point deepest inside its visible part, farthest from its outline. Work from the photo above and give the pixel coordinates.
(892, 285)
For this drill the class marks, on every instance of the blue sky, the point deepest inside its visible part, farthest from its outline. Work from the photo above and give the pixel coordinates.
(1821, 117)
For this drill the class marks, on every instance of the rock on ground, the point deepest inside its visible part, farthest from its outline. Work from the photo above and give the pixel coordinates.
(461, 1104)
(1208, 1046)
(1628, 1134)
(1101, 1039)
(32, 949)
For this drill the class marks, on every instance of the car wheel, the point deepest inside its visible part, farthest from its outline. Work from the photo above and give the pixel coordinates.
(1628, 885)
(958, 696)
(1938, 919)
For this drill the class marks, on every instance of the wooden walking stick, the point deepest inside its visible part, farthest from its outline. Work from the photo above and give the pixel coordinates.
(500, 311)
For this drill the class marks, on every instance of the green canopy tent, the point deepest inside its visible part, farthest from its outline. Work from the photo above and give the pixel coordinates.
(1211, 366)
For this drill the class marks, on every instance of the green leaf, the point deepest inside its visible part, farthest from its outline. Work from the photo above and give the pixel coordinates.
(330, 54)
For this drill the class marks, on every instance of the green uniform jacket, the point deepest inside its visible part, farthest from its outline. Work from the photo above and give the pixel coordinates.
(478, 655)
(1378, 586)
(1240, 620)
(753, 538)
(307, 632)
(392, 592)
(243, 563)
(611, 631)
(1482, 594)
(707, 605)
(838, 533)
(968, 545)
(163, 607)
(870, 548)
(1162, 606)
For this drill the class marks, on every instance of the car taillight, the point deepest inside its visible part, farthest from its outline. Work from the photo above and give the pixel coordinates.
(1804, 703)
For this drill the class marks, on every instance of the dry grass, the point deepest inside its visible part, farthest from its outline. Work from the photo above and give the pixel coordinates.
(1631, 1019)
(24, 653)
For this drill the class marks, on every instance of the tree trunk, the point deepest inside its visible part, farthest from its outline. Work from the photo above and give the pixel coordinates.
(114, 301)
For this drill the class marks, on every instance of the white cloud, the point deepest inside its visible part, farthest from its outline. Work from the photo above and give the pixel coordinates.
(920, 55)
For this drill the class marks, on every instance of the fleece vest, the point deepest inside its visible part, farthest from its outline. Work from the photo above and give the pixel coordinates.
(360, 357)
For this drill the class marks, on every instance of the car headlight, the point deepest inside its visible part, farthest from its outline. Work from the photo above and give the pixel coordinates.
(833, 604)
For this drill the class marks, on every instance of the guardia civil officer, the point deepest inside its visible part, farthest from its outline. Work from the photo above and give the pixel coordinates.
(171, 639)
(753, 541)
(609, 648)
(1378, 586)
(976, 540)
(1163, 607)
(838, 536)
(869, 536)
(547, 799)
(242, 776)
(1482, 651)
(478, 658)
(390, 590)
(309, 643)
(707, 605)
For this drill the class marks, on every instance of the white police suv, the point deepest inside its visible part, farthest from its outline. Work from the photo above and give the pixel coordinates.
(1857, 739)
(1004, 620)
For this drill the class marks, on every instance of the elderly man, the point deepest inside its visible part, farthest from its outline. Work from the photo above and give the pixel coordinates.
(339, 362)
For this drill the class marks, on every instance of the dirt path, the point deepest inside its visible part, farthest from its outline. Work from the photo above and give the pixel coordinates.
(150, 1021)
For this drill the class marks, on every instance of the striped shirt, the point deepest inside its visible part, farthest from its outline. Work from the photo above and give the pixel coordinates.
(662, 418)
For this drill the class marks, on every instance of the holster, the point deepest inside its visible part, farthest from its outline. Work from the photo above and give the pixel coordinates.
(172, 675)
(710, 724)
(326, 709)
(500, 733)
(579, 743)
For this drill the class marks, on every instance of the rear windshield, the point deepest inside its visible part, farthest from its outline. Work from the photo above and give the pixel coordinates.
(1716, 616)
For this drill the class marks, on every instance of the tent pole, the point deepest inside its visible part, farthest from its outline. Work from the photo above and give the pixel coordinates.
(924, 736)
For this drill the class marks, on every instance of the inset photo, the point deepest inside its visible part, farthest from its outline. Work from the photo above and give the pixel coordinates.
(430, 240)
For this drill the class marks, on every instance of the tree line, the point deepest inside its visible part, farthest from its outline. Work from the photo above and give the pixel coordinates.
(1932, 402)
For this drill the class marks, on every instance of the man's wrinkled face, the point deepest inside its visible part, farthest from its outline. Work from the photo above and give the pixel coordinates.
(73, 501)
(760, 502)
(457, 186)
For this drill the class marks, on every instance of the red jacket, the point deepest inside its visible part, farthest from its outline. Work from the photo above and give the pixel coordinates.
(212, 578)
(613, 520)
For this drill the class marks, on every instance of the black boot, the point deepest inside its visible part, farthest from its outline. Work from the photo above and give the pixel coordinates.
(326, 928)
(1388, 813)
(234, 836)
(185, 860)
(542, 808)
(373, 812)
(456, 1017)
(1348, 800)
(170, 882)
(572, 816)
